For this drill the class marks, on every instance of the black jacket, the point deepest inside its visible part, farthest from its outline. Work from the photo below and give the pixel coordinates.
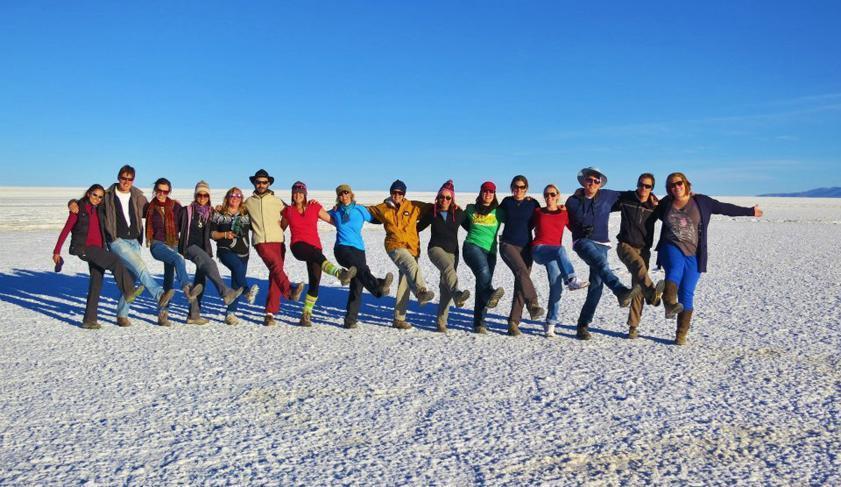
(444, 233)
(185, 219)
(637, 227)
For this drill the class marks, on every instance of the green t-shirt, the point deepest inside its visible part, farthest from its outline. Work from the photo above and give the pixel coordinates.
(483, 228)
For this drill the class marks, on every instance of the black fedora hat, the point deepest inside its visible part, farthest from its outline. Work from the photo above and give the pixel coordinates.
(262, 173)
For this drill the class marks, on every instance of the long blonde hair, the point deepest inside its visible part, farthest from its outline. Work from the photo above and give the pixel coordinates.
(225, 207)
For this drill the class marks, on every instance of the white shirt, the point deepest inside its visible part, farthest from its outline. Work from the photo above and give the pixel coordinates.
(124, 202)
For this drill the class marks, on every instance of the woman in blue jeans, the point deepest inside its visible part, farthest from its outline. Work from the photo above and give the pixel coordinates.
(162, 238)
(682, 249)
(548, 250)
(229, 228)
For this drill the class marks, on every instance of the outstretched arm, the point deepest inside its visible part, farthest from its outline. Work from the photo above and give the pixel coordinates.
(323, 215)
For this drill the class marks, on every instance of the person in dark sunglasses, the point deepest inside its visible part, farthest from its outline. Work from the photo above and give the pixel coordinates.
(444, 219)
(682, 248)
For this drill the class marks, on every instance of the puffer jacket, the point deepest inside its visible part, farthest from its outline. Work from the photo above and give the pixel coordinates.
(264, 211)
(401, 224)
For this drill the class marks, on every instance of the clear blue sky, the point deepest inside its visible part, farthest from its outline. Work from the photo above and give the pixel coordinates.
(745, 97)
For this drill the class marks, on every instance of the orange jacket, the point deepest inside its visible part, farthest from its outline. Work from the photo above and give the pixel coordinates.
(401, 224)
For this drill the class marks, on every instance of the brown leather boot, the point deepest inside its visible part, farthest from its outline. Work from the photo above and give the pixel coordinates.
(514, 329)
(633, 332)
(683, 320)
(582, 333)
(670, 303)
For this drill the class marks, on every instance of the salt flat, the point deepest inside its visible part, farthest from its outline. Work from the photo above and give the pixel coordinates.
(753, 398)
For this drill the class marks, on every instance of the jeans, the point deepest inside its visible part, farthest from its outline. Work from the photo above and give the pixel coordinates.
(559, 269)
(129, 252)
(595, 256)
(174, 264)
(681, 270)
(206, 268)
(238, 266)
(482, 263)
(348, 257)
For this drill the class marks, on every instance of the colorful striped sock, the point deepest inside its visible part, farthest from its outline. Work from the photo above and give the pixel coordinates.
(309, 304)
(330, 268)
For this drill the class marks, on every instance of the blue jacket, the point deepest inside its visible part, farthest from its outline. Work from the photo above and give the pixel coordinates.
(593, 212)
(707, 207)
(349, 221)
(518, 224)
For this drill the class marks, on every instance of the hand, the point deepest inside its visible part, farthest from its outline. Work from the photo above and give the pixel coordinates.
(654, 199)
(56, 259)
(579, 192)
(229, 235)
(73, 207)
(756, 211)
(390, 202)
(562, 207)
(313, 202)
(219, 208)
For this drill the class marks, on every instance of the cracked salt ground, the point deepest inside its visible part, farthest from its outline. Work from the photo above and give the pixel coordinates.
(753, 397)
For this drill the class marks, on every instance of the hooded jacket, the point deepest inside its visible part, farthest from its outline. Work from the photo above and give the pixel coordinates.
(401, 224)
(264, 211)
(637, 226)
(138, 202)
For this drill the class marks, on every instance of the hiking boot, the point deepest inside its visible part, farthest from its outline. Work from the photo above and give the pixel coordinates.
(683, 320)
(197, 320)
(269, 320)
(350, 324)
(163, 318)
(654, 294)
(192, 292)
(549, 330)
(231, 319)
(296, 292)
(135, 294)
(575, 284)
(480, 330)
(401, 325)
(90, 325)
(306, 320)
(514, 329)
(460, 298)
(251, 295)
(442, 327)
(627, 295)
(670, 304)
(535, 311)
(231, 295)
(385, 284)
(165, 298)
(123, 321)
(424, 296)
(581, 332)
(633, 333)
(496, 295)
(345, 275)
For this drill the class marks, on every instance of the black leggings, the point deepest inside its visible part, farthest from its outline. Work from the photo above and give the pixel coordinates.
(314, 258)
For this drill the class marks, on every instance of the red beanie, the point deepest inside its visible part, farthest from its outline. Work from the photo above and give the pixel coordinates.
(488, 185)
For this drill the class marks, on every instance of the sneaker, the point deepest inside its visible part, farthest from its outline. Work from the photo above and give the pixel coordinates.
(251, 295)
(424, 296)
(306, 320)
(345, 275)
(514, 329)
(385, 286)
(480, 330)
(122, 321)
(90, 325)
(581, 332)
(350, 324)
(165, 298)
(461, 298)
(496, 295)
(654, 295)
(163, 318)
(231, 295)
(401, 325)
(296, 292)
(198, 320)
(626, 296)
(535, 311)
(575, 284)
(548, 330)
(192, 292)
(269, 320)
(231, 319)
(135, 294)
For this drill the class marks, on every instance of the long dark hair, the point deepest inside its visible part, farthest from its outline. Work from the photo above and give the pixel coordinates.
(492, 205)
(90, 190)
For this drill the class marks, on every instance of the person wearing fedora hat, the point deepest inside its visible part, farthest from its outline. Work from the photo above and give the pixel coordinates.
(589, 212)
(264, 210)
(194, 244)
(349, 217)
(444, 220)
(399, 216)
(482, 221)
(302, 219)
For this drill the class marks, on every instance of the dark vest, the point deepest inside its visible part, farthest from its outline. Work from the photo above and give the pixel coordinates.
(79, 232)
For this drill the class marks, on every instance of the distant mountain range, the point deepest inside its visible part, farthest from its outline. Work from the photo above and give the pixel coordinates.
(812, 193)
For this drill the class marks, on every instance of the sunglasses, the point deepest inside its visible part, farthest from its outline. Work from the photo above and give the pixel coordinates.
(550, 195)
(592, 181)
(202, 195)
(261, 182)
(233, 196)
(98, 196)
(646, 186)
(344, 193)
(675, 184)
(162, 191)
(519, 186)
(485, 191)
(123, 178)
(445, 198)
(398, 192)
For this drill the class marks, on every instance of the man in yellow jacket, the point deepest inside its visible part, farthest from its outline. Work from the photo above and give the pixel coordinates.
(399, 217)
(267, 235)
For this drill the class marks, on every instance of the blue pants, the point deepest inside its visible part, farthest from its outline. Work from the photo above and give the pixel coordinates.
(482, 263)
(595, 256)
(174, 264)
(237, 265)
(129, 253)
(681, 270)
(559, 270)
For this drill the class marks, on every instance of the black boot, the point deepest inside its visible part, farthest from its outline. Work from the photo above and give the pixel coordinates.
(581, 332)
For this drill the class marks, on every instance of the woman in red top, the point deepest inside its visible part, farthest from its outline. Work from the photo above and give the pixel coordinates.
(548, 250)
(87, 241)
(302, 219)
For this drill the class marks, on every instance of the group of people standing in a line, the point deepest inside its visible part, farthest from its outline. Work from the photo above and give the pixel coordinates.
(108, 227)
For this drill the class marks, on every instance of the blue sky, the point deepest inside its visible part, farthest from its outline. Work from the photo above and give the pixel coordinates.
(745, 97)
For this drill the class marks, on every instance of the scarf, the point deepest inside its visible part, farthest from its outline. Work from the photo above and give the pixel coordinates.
(166, 210)
(202, 211)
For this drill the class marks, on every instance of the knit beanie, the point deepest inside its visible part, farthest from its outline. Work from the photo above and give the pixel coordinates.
(202, 187)
(398, 185)
(299, 187)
